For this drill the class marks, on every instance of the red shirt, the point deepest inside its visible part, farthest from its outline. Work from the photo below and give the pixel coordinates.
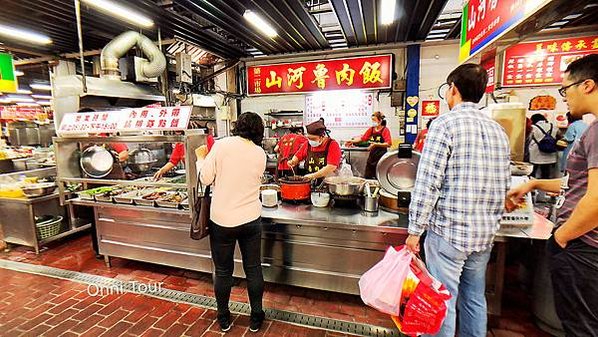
(288, 146)
(334, 152)
(385, 135)
(119, 147)
(178, 154)
(418, 145)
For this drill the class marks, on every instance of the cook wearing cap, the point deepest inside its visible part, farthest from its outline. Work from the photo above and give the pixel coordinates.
(321, 153)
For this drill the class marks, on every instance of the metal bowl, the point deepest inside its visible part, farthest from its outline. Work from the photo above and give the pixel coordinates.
(345, 186)
(397, 174)
(141, 160)
(38, 190)
(96, 161)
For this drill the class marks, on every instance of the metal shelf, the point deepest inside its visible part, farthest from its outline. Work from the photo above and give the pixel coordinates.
(284, 114)
(121, 182)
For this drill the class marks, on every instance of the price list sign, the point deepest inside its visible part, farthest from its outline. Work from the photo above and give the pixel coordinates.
(340, 110)
(544, 62)
(139, 119)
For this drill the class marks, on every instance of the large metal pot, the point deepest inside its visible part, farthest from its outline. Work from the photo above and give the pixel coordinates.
(141, 160)
(345, 186)
(295, 188)
(96, 161)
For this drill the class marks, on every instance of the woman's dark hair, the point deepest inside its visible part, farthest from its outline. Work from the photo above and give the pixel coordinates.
(298, 130)
(538, 118)
(471, 81)
(250, 126)
(380, 117)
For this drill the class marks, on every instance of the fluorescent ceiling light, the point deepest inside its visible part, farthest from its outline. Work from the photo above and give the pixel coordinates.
(23, 91)
(430, 40)
(20, 34)
(558, 23)
(121, 12)
(28, 104)
(19, 73)
(571, 17)
(42, 96)
(260, 23)
(435, 36)
(45, 87)
(387, 8)
(44, 102)
(437, 31)
(20, 98)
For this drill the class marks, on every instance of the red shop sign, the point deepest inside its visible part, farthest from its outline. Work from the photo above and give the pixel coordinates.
(543, 62)
(369, 72)
(489, 63)
(430, 108)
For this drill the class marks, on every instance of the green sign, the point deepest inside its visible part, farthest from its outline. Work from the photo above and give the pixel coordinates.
(8, 80)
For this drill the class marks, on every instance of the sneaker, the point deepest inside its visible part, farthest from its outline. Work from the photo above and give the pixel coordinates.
(225, 326)
(256, 325)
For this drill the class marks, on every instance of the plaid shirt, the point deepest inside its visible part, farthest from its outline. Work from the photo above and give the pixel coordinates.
(462, 179)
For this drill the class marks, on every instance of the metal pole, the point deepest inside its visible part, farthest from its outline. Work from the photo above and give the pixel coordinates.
(80, 34)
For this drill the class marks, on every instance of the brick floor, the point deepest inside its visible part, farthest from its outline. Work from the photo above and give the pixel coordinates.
(76, 254)
(176, 320)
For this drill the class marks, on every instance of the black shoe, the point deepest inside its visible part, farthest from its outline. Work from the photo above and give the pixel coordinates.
(225, 326)
(255, 325)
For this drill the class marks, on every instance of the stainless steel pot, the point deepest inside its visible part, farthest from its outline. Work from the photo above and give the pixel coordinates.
(345, 186)
(141, 160)
(96, 161)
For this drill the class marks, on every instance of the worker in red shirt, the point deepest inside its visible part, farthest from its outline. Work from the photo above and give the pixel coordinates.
(178, 155)
(321, 153)
(286, 148)
(380, 140)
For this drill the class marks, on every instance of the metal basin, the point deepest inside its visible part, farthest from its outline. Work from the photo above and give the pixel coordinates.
(96, 161)
(38, 190)
(345, 186)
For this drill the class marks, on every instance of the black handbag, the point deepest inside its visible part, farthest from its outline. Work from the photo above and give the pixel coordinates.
(200, 224)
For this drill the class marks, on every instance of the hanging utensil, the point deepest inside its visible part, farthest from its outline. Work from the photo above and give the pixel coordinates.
(376, 192)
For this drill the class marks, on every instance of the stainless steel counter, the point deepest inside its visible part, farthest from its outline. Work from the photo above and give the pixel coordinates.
(326, 249)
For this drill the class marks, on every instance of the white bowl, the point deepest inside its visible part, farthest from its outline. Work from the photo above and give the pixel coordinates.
(320, 199)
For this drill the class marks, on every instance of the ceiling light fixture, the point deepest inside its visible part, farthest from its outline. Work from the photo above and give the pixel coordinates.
(21, 99)
(20, 34)
(387, 9)
(44, 102)
(44, 87)
(27, 104)
(23, 91)
(19, 73)
(121, 12)
(42, 96)
(260, 23)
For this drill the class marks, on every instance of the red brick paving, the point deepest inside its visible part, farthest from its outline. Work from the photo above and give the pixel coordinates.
(163, 318)
(142, 312)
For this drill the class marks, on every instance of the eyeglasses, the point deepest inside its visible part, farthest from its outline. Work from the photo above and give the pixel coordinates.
(442, 90)
(563, 90)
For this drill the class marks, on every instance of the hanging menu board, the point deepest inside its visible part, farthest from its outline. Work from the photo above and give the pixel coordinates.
(544, 62)
(340, 110)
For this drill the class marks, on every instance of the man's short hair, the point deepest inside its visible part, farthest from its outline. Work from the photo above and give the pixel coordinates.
(471, 81)
(584, 68)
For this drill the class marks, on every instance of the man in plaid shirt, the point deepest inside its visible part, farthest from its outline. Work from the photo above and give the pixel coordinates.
(459, 198)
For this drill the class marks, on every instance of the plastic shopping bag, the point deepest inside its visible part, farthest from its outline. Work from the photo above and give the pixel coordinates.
(381, 286)
(423, 302)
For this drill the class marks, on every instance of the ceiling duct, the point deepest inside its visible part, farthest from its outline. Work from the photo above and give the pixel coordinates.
(115, 49)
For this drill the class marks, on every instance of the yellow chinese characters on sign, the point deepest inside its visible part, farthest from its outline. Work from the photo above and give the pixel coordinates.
(581, 44)
(595, 43)
(320, 76)
(295, 76)
(552, 48)
(274, 80)
(345, 75)
(566, 46)
(371, 73)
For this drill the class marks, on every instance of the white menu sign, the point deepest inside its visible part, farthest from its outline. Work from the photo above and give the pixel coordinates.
(347, 109)
(138, 119)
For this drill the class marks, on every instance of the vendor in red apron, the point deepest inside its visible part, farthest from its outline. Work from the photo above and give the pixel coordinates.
(178, 155)
(286, 148)
(321, 153)
(380, 140)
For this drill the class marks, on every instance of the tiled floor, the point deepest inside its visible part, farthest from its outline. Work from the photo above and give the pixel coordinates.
(33, 305)
(76, 254)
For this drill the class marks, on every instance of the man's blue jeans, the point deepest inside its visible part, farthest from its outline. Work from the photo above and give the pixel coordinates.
(464, 275)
